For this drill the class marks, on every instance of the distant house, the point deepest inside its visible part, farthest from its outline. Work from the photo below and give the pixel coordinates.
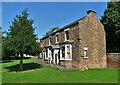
(80, 44)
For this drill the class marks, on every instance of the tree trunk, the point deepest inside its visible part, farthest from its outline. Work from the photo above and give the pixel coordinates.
(21, 62)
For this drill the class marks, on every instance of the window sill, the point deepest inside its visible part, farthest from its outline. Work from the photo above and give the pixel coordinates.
(66, 59)
(66, 40)
(56, 42)
(47, 59)
(85, 57)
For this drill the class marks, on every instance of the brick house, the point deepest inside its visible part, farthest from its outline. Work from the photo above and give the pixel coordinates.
(80, 44)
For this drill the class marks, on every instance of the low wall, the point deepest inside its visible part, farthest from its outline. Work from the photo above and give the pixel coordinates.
(113, 60)
(66, 63)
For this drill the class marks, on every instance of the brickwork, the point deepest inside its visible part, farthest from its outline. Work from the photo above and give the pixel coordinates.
(92, 36)
(113, 60)
(65, 63)
(74, 35)
(87, 32)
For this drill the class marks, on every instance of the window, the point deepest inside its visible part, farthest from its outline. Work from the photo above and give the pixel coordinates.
(46, 53)
(67, 35)
(68, 51)
(85, 52)
(57, 38)
(50, 40)
(63, 52)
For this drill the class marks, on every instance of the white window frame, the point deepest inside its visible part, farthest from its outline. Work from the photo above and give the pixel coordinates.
(49, 40)
(85, 52)
(65, 33)
(66, 57)
(56, 37)
(46, 53)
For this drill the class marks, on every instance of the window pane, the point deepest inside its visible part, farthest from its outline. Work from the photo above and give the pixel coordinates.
(67, 35)
(63, 52)
(68, 48)
(50, 40)
(46, 53)
(57, 38)
(68, 51)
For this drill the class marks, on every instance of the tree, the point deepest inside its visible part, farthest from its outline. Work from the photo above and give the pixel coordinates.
(52, 30)
(0, 42)
(111, 22)
(21, 38)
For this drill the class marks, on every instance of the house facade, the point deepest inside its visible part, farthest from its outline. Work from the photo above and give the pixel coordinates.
(80, 44)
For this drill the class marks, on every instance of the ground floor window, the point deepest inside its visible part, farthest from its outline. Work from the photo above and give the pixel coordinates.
(46, 53)
(66, 52)
(63, 52)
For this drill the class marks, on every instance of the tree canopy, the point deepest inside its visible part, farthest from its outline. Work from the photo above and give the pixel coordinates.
(111, 22)
(52, 30)
(21, 38)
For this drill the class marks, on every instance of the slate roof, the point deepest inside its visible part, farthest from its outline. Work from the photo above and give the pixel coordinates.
(66, 26)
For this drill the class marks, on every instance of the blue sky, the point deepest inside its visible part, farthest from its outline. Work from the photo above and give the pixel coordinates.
(47, 15)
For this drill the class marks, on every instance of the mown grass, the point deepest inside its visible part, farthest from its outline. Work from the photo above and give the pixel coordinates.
(52, 75)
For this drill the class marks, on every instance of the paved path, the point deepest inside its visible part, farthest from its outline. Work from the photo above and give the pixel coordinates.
(56, 66)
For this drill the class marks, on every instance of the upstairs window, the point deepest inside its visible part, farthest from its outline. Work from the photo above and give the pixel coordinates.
(50, 40)
(67, 35)
(57, 38)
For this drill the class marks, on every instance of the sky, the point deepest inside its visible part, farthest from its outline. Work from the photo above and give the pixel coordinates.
(47, 15)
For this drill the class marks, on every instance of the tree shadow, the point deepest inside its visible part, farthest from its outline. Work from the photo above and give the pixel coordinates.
(6, 61)
(26, 66)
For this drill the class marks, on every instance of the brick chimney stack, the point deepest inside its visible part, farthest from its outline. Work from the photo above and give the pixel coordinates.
(91, 12)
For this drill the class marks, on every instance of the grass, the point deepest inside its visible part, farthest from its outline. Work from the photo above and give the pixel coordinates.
(51, 75)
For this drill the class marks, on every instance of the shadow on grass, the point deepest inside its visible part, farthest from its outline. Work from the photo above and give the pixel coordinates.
(26, 66)
(11, 59)
(6, 61)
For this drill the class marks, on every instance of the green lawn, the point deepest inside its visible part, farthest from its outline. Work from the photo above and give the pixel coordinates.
(52, 75)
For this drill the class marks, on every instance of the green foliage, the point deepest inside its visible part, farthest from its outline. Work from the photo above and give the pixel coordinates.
(52, 30)
(0, 43)
(111, 22)
(5, 48)
(21, 35)
(20, 39)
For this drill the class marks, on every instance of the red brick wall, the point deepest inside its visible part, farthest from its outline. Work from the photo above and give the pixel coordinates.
(73, 36)
(87, 32)
(113, 60)
(92, 36)
(61, 36)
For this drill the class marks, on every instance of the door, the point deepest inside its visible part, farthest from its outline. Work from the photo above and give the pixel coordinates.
(52, 56)
(56, 56)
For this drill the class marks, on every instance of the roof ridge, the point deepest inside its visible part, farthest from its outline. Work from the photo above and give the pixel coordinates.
(64, 27)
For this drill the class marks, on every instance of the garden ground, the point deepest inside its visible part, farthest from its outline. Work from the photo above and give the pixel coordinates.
(36, 73)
